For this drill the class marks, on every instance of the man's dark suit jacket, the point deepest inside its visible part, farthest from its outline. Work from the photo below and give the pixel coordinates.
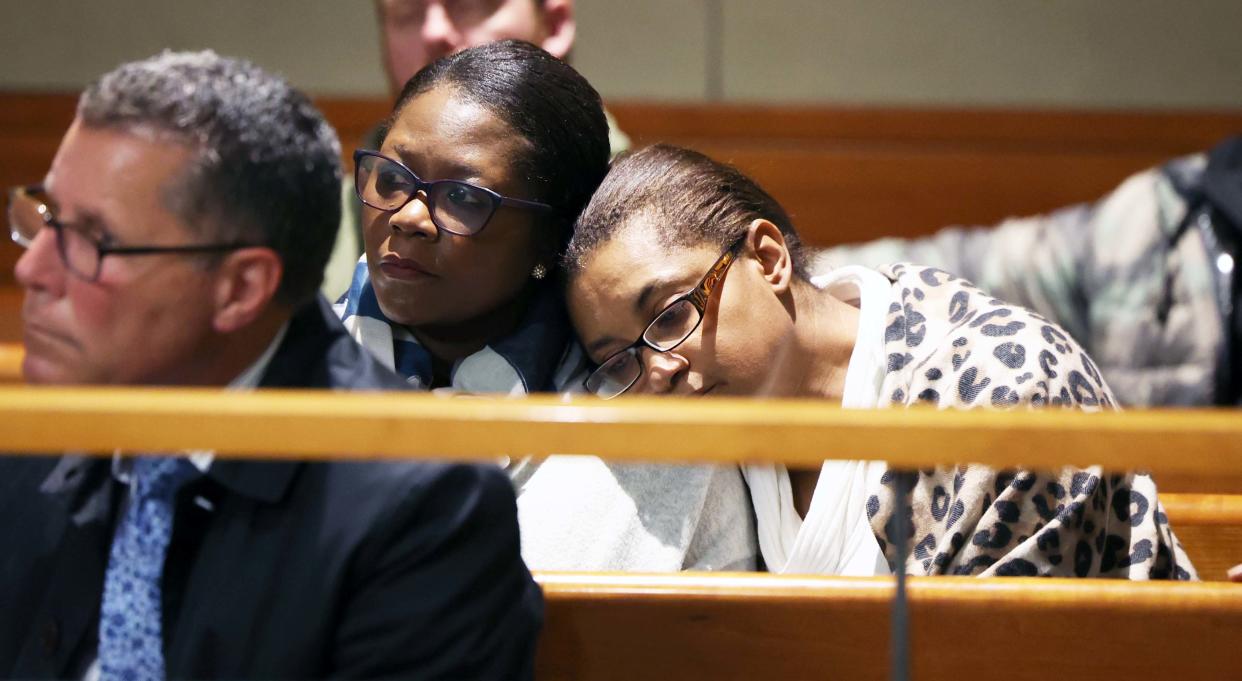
(282, 569)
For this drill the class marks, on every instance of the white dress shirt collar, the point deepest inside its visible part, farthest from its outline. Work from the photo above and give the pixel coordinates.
(248, 379)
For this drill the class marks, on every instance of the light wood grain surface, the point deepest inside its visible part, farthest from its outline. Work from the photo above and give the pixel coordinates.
(266, 424)
(749, 626)
(1210, 529)
(10, 312)
(11, 362)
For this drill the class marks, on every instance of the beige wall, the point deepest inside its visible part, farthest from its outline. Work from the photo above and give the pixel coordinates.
(1094, 53)
(1048, 52)
(323, 46)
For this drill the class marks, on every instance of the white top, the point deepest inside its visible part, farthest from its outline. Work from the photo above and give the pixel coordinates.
(836, 537)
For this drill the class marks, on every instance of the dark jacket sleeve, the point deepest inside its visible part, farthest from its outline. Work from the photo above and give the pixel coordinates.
(441, 591)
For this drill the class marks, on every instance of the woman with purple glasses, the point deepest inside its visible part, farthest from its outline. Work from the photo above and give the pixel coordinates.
(487, 158)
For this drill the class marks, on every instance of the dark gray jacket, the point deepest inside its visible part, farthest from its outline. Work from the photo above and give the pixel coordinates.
(282, 569)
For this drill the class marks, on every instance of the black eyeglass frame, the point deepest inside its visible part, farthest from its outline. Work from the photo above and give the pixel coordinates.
(101, 249)
(425, 188)
(697, 297)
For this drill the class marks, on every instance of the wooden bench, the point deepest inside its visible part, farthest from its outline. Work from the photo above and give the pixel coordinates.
(748, 626)
(10, 315)
(745, 626)
(1210, 529)
(11, 363)
(845, 173)
(849, 174)
(274, 424)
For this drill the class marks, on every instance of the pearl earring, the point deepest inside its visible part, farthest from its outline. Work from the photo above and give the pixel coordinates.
(539, 272)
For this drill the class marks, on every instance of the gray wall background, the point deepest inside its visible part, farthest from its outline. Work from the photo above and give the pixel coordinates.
(1055, 53)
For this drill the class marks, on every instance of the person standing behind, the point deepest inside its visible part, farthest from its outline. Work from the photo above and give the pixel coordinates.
(178, 240)
(414, 33)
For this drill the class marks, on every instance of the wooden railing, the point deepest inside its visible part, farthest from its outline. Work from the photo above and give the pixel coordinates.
(11, 363)
(10, 314)
(1210, 529)
(274, 424)
(1220, 482)
(1206, 510)
(267, 424)
(748, 626)
(691, 626)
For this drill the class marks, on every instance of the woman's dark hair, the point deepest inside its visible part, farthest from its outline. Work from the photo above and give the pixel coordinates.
(547, 103)
(686, 197)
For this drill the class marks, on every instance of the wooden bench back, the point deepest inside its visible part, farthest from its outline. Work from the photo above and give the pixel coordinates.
(848, 174)
(845, 173)
(10, 314)
(734, 626)
(1209, 527)
(11, 363)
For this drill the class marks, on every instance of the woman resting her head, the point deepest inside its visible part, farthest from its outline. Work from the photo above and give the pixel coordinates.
(686, 278)
(488, 157)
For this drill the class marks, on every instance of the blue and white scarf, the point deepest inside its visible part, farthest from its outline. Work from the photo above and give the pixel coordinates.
(540, 356)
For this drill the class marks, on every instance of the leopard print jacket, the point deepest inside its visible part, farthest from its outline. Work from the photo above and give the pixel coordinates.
(951, 345)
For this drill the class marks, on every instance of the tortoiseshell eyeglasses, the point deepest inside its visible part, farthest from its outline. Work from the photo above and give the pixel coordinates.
(669, 329)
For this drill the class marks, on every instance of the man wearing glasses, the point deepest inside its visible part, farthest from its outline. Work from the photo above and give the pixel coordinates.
(414, 33)
(178, 239)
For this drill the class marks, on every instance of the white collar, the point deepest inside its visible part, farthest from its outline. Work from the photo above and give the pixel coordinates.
(836, 536)
(870, 292)
(247, 380)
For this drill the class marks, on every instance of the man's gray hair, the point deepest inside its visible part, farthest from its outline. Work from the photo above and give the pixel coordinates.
(267, 168)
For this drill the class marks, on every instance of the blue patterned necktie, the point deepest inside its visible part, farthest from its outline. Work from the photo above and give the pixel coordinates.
(130, 637)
